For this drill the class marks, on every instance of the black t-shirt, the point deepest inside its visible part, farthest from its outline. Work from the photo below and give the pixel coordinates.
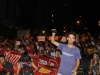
(8, 67)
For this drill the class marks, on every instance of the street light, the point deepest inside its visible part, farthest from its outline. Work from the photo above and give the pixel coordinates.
(43, 31)
(78, 22)
(64, 31)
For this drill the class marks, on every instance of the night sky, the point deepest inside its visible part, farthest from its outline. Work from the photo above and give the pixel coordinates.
(38, 14)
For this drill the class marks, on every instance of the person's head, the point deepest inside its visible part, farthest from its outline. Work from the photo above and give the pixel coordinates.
(25, 57)
(58, 53)
(96, 56)
(71, 37)
(2, 59)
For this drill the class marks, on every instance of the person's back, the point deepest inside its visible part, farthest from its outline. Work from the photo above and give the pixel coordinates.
(7, 66)
(25, 65)
(26, 68)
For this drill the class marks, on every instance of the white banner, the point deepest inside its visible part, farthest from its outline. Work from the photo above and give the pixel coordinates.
(41, 38)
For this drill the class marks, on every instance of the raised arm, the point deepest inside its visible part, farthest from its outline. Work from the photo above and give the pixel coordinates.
(34, 66)
(53, 38)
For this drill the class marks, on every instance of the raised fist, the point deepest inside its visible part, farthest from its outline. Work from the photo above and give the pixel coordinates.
(54, 31)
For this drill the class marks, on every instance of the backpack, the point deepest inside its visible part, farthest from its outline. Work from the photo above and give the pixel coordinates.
(26, 69)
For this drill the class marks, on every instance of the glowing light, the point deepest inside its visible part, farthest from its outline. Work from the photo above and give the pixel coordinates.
(78, 22)
(43, 31)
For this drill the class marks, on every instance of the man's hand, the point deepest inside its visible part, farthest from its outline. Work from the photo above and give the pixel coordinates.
(74, 72)
(90, 72)
(53, 34)
(54, 31)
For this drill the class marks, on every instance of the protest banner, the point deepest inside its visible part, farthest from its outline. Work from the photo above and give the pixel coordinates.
(46, 65)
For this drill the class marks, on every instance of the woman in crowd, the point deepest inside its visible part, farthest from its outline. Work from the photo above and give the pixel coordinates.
(26, 60)
(94, 65)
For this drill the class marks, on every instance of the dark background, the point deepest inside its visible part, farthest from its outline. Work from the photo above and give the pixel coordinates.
(37, 15)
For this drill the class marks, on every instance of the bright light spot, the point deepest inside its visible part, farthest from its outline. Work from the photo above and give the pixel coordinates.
(52, 15)
(43, 31)
(64, 31)
(78, 22)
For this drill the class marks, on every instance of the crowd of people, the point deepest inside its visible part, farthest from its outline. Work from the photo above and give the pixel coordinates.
(86, 50)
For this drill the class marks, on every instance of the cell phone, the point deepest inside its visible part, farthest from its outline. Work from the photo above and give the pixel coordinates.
(54, 31)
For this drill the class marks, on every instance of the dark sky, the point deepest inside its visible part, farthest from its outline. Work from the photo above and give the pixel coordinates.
(65, 12)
